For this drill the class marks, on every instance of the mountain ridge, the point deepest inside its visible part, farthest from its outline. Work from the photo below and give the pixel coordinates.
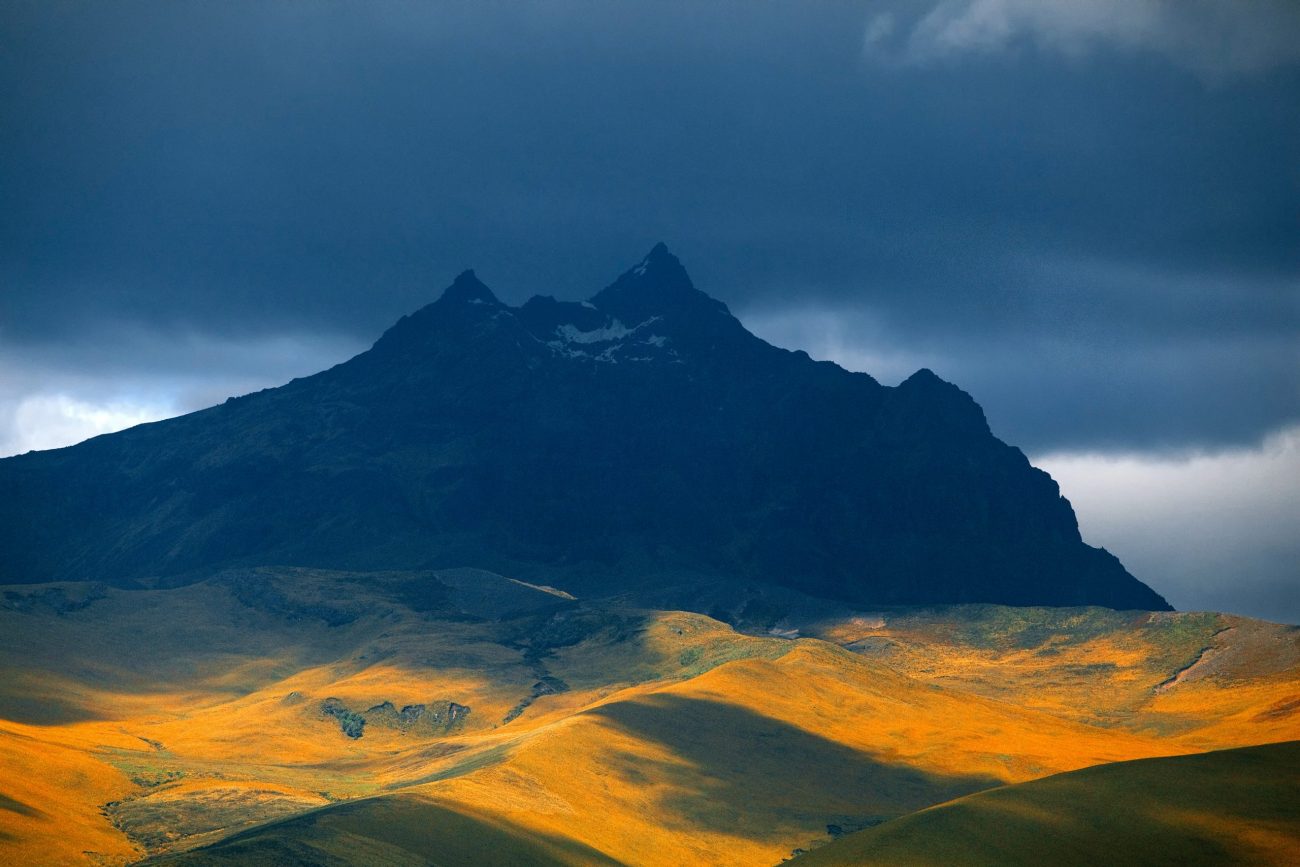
(595, 446)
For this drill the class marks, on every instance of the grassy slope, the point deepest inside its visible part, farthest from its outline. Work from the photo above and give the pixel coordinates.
(1228, 807)
(1106, 668)
(755, 758)
(733, 765)
(394, 830)
(194, 717)
(50, 797)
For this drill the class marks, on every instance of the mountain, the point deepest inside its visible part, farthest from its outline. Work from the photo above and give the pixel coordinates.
(634, 441)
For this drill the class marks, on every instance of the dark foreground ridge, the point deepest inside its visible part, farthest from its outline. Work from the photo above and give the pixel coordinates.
(640, 438)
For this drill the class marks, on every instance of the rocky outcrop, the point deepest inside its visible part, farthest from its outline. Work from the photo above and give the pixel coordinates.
(548, 685)
(434, 719)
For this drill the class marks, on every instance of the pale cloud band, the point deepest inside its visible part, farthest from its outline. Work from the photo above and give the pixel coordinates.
(1210, 531)
(51, 421)
(50, 400)
(1217, 40)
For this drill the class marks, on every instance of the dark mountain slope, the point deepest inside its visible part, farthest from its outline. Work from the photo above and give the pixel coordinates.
(598, 446)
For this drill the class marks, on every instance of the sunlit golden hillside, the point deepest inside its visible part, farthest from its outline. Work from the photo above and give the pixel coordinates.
(294, 716)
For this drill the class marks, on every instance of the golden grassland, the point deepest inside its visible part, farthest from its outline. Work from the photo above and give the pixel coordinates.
(188, 724)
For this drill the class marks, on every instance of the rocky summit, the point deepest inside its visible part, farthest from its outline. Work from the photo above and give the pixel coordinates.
(638, 440)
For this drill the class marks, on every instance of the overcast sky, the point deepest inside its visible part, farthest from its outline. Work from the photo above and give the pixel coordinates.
(1085, 214)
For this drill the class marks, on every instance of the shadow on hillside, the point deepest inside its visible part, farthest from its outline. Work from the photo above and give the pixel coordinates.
(393, 829)
(1233, 806)
(739, 772)
(15, 806)
(41, 708)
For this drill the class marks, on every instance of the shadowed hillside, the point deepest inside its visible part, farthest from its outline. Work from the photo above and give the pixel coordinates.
(1231, 807)
(396, 830)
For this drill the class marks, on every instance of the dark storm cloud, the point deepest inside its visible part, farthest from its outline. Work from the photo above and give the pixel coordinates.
(1078, 217)
(1083, 213)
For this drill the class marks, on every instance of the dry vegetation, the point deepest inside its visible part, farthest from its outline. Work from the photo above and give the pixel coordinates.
(190, 724)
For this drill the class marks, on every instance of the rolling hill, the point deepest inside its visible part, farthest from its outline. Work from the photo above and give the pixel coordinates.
(380, 717)
(1237, 806)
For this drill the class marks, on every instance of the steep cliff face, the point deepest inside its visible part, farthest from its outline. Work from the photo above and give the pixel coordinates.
(601, 446)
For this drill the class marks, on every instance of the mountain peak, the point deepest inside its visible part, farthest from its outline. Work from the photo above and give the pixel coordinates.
(655, 285)
(660, 264)
(467, 299)
(924, 377)
(659, 253)
(468, 289)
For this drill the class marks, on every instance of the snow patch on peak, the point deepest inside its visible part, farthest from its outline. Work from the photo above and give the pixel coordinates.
(614, 331)
(573, 342)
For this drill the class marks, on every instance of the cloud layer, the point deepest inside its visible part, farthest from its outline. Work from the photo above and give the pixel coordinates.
(1212, 532)
(52, 397)
(1215, 39)
(47, 421)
